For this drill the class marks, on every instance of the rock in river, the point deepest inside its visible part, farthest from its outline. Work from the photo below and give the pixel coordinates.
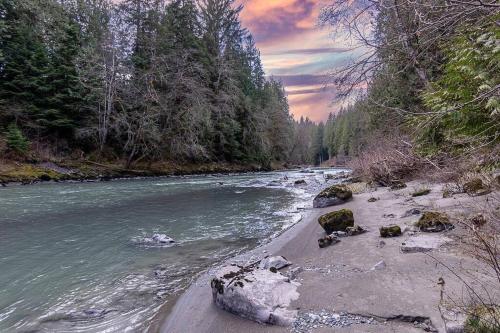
(333, 195)
(300, 182)
(255, 294)
(338, 220)
(156, 240)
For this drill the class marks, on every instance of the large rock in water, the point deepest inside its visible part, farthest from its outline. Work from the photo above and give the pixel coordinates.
(338, 220)
(333, 195)
(255, 294)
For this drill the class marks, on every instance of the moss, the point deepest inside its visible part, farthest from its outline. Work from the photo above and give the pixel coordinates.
(392, 230)
(421, 192)
(30, 173)
(434, 222)
(337, 220)
(475, 187)
(483, 319)
(339, 191)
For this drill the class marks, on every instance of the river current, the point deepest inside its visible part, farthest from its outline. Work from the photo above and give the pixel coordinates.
(80, 257)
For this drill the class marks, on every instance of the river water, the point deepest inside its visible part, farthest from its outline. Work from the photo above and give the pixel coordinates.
(75, 257)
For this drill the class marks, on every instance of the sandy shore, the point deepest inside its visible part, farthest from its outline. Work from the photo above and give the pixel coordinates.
(340, 278)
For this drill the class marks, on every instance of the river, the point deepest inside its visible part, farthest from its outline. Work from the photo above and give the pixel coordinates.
(78, 257)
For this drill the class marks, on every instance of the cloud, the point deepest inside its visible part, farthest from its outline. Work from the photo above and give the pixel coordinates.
(319, 50)
(301, 80)
(295, 51)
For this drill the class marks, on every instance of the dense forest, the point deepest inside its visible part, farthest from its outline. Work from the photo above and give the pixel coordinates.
(429, 77)
(139, 80)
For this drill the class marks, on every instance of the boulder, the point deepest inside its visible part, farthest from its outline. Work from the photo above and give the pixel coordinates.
(327, 241)
(476, 187)
(278, 262)
(372, 199)
(392, 230)
(333, 195)
(300, 182)
(255, 294)
(336, 221)
(434, 222)
(423, 243)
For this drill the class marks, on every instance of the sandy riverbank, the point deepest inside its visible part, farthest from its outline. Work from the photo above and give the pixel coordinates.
(340, 279)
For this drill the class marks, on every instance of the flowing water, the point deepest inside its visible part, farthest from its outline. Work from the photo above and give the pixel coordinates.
(78, 257)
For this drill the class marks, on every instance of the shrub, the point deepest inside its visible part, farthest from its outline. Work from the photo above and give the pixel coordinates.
(16, 141)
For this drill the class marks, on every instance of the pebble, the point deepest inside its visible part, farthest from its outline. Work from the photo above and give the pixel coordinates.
(308, 321)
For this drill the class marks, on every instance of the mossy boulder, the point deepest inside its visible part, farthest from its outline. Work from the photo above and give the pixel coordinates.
(434, 222)
(333, 195)
(476, 187)
(392, 230)
(338, 220)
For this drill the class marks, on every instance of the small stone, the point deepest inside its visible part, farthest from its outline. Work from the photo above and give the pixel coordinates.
(327, 241)
(411, 212)
(379, 266)
(392, 230)
(478, 220)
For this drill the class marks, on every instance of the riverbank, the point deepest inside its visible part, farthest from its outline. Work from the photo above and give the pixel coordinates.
(364, 283)
(12, 172)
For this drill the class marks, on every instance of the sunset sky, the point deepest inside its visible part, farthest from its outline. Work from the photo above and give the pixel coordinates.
(298, 52)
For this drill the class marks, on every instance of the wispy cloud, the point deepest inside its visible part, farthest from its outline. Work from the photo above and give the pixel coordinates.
(297, 52)
(320, 50)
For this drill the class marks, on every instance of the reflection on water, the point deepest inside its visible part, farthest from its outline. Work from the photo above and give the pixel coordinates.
(70, 260)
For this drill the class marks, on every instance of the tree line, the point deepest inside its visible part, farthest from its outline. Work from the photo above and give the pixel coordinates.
(139, 80)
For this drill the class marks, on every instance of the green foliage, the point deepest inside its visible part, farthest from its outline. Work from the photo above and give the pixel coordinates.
(16, 141)
(465, 100)
(140, 80)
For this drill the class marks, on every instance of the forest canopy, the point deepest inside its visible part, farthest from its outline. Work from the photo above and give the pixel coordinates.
(138, 80)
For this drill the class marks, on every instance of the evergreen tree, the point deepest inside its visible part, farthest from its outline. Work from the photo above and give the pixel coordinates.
(16, 141)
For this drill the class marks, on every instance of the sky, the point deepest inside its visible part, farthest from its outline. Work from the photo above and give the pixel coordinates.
(297, 52)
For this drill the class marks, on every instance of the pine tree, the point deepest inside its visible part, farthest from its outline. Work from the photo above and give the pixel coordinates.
(16, 141)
